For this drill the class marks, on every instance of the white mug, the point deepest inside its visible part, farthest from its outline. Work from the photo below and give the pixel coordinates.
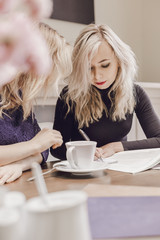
(64, 217)
(80, 154)
(9, 224)
(11, 214)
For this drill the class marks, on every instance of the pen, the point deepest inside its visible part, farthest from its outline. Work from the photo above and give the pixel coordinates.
(84, 135)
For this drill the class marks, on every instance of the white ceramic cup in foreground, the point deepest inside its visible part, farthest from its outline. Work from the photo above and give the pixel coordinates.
(9, 224)
(80, 154)
(64, 217)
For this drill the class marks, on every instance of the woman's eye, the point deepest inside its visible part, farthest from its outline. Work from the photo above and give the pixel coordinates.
(106, 65)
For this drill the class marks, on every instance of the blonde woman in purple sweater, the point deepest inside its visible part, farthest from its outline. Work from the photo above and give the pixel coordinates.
(21, 139)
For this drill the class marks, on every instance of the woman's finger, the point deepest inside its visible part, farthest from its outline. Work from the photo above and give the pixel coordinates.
(4, 178)
(14, 177)
(57, 144)
(99, 152)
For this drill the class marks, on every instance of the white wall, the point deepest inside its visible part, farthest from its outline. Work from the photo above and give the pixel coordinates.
(151, 40)
(67, 29)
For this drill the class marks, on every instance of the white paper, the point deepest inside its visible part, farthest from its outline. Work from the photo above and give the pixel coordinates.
(134, 161)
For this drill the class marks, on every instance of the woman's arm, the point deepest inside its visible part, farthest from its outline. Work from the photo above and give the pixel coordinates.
(11, 172)
(16, 152)
(19, 151)
(149, 122)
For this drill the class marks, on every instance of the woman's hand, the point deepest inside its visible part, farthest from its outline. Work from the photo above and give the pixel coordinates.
(9, 173)
(47, 138)
(109, 149)
(98, 153)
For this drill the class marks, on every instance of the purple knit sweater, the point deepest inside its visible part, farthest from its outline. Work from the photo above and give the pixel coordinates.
(13, 129)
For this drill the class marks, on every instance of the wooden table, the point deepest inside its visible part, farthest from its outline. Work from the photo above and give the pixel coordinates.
(105, 183)
(58, 181)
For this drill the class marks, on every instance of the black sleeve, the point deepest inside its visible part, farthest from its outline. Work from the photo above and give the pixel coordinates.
(149, 122)
(63, 124)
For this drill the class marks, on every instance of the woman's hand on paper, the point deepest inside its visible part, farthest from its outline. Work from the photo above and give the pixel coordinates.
(111, 148)
(47, 138)
(9, 173)
(108, 150)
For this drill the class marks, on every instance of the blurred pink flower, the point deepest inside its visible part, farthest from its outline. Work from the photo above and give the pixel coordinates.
(37, 9)
(40, 8)
(22, 48)
(7, 5)
(7, 73)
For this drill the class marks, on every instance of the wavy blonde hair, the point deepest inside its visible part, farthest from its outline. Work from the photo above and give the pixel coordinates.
(84, 97)
(30, 85)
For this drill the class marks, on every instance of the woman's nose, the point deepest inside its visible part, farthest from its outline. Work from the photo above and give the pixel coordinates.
(97, 74)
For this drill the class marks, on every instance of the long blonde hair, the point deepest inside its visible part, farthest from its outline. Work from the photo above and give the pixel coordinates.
(82, 95)
(30, 85)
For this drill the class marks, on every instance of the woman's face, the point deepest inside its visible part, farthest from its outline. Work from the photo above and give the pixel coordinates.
(104, 67)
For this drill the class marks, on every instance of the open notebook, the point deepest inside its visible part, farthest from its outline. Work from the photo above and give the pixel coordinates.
(134, 161)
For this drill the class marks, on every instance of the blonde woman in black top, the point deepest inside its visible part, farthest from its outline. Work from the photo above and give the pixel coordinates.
(101, 96)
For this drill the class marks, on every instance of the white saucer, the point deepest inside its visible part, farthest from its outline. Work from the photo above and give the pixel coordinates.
(64, 166)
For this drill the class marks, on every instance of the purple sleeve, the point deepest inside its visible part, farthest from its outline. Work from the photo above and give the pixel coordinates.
(14, 129)
(46, 152)
(45, 156)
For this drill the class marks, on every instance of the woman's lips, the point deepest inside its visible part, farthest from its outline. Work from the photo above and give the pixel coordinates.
(100, 83)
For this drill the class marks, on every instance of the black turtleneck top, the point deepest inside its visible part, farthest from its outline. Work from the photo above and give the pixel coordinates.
(105, 130)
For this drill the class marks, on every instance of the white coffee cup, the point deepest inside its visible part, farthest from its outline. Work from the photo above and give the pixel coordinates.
(64, 217)
(14, 199)
(80, 154)
(9, 224)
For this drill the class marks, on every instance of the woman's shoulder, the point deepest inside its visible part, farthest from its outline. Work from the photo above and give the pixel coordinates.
(139, 92)
(138, 88)
(61, 100)
(141, 96)
(64, 91)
